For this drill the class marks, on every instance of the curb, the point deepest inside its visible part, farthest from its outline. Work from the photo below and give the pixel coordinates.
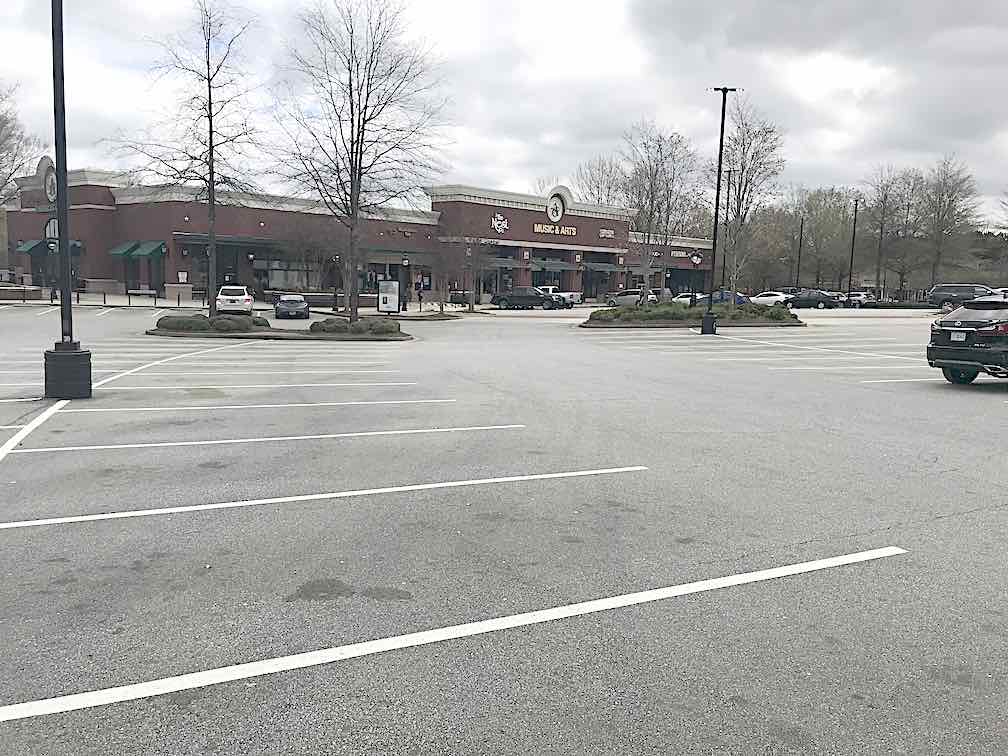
(696, 324)
(277, 336)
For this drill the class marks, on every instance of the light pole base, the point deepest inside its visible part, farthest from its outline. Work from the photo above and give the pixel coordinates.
(68, 372)
(708, 325)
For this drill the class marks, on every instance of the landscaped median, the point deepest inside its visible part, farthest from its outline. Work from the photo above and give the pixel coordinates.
(245, 327)
(678, 316)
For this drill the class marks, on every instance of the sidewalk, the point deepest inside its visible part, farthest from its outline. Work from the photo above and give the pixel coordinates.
(125, 300)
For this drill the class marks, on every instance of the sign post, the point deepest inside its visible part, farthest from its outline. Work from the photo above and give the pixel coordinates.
(388, 296)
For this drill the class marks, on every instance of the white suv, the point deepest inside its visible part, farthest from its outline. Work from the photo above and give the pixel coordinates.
(234, 299)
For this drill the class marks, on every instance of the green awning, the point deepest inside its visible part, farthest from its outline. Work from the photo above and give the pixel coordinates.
(554, 265)
(28, 247)
(149, 249)
(41, 247)
(124, 249)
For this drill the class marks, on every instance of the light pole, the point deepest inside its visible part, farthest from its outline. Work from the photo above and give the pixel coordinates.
(727, 204)
(67, 366)
(853, 238)
(337, 275)
(708, 324)
(801, 238)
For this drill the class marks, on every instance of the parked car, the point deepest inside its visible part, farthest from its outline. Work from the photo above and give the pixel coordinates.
(687, 299)
(234, 299)
(630, 297)
(949, 296)
(770, 298)
(839, 296)
(724, 297)
(459, 297)
(290, 306)
(570, 297)
(812, 298)
(858, 299)
(970, 340)
(527, 297)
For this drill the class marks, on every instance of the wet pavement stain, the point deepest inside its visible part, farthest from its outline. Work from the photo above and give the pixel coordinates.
(56, 560)
(212, 465)
(328, 589)
(571, 539)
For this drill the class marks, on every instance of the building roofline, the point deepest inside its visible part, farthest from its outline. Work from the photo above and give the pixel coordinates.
(495, 197)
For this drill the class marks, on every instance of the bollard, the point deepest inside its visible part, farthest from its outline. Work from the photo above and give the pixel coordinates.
(78, 296)
(104, 298)
(129, 299)
(178, 300)
(155, 299)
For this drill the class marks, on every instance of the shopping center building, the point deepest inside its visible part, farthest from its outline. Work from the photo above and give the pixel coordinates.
(126, 237)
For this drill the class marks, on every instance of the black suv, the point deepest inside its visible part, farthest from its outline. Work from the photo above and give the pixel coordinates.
(947, 296)
(527, 297)
(972, 339)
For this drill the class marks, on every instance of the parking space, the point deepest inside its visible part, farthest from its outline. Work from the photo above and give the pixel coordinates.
(584, 538)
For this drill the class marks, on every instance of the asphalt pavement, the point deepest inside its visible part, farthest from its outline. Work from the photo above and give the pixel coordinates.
(508, 535)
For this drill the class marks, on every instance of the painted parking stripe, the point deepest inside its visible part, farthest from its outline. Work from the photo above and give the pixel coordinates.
(47, 311)
(802, 357)
(268, 439)
(107, 696)
(129, 514)
(828, 368)
(157, 387)
(11, 427)
(193, 408)
(104, 312)
(25, 399)
(904, 380)
(272, 372)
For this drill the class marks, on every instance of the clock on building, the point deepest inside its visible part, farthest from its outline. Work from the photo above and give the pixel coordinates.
(555, 208)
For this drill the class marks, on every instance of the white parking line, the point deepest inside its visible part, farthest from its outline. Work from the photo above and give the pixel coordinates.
(104, 312)
(136, 691)
(158, 387)
(828, 368)
(272, 372)
(11, 427)
(46, 311)
(268, 439)
(128, 514)
(261, 406)
(904, 380)
(802, 357)
(26, 399)
(734, 339)
(157, 314)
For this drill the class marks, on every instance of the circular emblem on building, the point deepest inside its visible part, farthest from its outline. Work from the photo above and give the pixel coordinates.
(50, 184)
(52, 229)
(555, 208)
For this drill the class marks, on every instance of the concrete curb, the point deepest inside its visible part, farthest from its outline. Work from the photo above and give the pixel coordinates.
(279, 336)
(695, 324)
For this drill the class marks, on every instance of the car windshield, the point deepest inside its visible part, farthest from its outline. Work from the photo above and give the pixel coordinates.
(233, 291)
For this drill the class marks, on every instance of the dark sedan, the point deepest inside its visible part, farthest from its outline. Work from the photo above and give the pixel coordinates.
(970, 340)
(813, 298)
(527, 297)
(290, 306)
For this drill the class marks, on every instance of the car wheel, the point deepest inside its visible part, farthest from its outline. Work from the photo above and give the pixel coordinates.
(789, 305)
(821, 306)
(959, 376)
(504, 304)
(857, 305)
(612, 303)
(947, 306)
(547, 305)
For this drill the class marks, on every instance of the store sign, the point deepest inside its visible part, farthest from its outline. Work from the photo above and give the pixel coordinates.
(554, 230)
(606, 233)
(499, 223)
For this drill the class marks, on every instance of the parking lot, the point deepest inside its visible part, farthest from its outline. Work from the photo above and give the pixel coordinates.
(508, 535)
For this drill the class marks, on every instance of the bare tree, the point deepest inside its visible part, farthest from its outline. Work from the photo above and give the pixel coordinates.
(204, 144)
(882, 189)
(601, 181)
(18, 148)
(949, 205)
(907, 252)
(543, 184)
(361, 118)
(754, 150)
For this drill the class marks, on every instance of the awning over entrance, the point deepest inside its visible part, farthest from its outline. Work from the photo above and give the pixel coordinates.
(41, 247)
(604, 267)
(506, 262)
(135, 249)
(538, 264)
(149, 249)
(123, 250)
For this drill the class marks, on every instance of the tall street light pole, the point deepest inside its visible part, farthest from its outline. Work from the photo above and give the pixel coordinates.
(67, 366)
(708, 324)
(801, 239)
(853, 238)
(727, 204)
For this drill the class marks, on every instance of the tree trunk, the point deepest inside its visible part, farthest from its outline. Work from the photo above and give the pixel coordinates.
(350, 285)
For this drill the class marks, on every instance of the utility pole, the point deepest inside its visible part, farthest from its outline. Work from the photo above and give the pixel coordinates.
(67, 366)
(708, 324)
(801, 238)
(853, 238)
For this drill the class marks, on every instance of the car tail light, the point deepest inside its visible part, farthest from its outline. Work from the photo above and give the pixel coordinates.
(248, 299)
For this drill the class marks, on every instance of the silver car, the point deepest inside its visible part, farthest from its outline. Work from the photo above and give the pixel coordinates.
(630, 298)
(234, 299)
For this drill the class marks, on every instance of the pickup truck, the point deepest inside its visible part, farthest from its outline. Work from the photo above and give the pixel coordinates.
(570, 297)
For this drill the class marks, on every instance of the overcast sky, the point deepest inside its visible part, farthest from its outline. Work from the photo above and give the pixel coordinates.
(538, 86)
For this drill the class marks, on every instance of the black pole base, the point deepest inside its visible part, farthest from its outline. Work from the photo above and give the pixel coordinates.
(67, 374)
(708, 325)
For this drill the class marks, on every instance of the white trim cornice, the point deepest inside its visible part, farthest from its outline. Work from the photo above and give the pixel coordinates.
(496, 198)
